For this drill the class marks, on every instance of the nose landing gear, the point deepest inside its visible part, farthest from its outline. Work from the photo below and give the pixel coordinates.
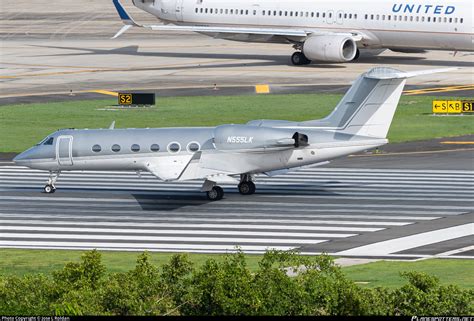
(51, 184)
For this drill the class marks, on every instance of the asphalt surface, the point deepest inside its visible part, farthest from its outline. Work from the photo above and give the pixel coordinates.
(387, 207)
(49, 49)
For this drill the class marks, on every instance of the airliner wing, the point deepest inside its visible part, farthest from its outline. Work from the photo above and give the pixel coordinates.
(285, 32)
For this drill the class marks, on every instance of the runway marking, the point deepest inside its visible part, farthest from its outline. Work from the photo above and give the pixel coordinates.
(173, 232)
(457, 143)
(461, 250)
(416, 153)
(413, 241)
(105, 92)
(116, 217)
(305, 224)
(437, 89)
(122, 237)
(140, 247)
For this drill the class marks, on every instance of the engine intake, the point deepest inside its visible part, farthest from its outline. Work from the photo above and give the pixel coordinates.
(330, 48)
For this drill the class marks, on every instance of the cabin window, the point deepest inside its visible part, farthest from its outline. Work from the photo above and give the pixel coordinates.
(135, 148)
(355, 16)
(174, 147)
(116, 148)
(96, 148)
(193, 147)
(461, 20)
(155, 148)
(49, 141)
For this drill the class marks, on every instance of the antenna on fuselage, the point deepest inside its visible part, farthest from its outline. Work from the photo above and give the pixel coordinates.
(112, 126)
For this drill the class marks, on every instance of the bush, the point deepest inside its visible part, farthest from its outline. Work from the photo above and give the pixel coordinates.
(284, 284)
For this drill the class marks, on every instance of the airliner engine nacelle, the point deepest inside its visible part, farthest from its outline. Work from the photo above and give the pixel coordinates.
(330, 48)
(232, 137)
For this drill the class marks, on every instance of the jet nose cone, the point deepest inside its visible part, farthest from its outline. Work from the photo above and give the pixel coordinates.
(22, 158)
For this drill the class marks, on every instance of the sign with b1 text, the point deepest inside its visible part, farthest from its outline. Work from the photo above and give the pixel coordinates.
(452, 107)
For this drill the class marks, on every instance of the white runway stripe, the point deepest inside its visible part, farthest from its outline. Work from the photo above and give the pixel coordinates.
(38, 212)
(289, 221)
(138, 246)
(204, 225)
(172, 232)
(232, 240)
(413, 241)
(87, 200)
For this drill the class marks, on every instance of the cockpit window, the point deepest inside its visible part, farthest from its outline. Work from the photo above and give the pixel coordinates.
(49, 141)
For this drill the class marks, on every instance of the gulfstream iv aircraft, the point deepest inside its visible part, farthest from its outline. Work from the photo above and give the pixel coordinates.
(230, 153)
(328, 31)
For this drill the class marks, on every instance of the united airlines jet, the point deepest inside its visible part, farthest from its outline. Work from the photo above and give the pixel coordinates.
(328, 31)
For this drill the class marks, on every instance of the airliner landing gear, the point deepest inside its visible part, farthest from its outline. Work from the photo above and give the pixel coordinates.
(51, 184)
(246, 186)
(215, 194)
(299, 59)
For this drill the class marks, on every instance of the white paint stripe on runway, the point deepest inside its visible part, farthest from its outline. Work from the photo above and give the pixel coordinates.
(461, 191)
(288, 222)
(85, 200)
(457, 251)
(412, 241)
(139, 247)
(267, 225)
(123, 215)
(232, 240)
(396, 198)
(172, 232)
(269, 211)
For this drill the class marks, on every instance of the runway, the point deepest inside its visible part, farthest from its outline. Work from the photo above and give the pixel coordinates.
(347, 212)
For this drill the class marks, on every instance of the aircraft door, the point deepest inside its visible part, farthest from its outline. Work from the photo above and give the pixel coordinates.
(64, 150)
(179, 10)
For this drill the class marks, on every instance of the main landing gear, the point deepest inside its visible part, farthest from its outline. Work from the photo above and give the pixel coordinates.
(299, 59)
(51, 184)
(246, 186)
(216, 193)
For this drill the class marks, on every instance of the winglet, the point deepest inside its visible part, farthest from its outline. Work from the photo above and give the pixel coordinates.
(126, 19)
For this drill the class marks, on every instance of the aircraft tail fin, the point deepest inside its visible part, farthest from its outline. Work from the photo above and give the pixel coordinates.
(369, 106)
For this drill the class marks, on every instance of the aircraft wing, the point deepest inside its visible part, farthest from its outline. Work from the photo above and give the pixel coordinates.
(285, 32)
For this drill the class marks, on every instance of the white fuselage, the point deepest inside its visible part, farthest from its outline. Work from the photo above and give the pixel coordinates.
(394, 24)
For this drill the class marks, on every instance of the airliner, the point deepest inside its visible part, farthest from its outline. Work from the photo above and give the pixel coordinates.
(325, 31)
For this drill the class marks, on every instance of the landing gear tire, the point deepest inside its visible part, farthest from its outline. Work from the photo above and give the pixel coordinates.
(357, 55)
(49, 189)
(215, 194)
(247, 188)
(299, 59)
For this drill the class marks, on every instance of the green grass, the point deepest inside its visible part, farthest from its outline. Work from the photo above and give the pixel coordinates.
(383, 273)
(24, 125)
(20, 262)
(387, 273)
